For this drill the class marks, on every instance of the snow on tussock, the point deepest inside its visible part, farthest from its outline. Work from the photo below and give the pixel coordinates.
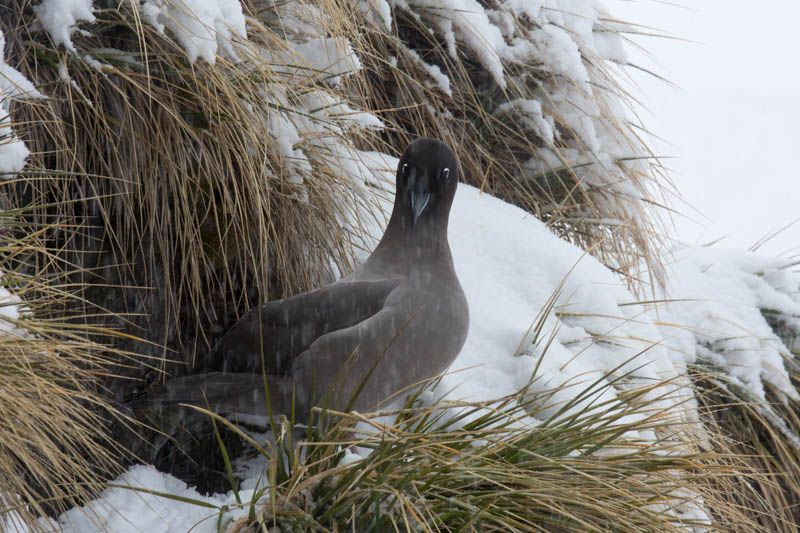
(311, 127)
(13, 152)
(719, 301)
(574, 41)
(61, 17)
(202, 27)
(717, 315)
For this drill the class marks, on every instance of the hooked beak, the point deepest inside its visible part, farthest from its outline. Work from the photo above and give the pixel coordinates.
(418, 193)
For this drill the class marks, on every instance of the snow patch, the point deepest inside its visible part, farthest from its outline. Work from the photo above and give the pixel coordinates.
(13, 152)
(468, 21)
(328, 57)
(598, 327)
(556, 48)
(719, 299)
(202, 27)
(440, 79)
(530, 113)
(128, 510)
(60, 18)
(378, 11)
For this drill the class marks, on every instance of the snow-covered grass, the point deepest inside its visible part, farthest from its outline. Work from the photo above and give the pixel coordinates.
(212, 154)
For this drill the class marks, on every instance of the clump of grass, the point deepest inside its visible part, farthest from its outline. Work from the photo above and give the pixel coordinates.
(498, 466)
(756, 438)
(54, 452)
(179, 207)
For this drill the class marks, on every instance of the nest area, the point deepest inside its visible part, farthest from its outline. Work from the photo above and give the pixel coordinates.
(159, 198)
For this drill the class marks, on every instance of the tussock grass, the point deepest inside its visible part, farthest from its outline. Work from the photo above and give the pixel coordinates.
(487, 466)
(756, 444)
(54, 452)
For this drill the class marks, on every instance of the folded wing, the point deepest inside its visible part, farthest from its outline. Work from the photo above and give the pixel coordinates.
(272, 335)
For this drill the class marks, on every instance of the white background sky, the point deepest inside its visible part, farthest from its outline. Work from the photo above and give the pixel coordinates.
(733, 122)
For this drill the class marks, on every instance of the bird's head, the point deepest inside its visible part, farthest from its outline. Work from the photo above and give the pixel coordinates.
(427, 176)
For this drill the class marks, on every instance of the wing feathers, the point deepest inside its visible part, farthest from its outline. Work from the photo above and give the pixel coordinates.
(278, 331)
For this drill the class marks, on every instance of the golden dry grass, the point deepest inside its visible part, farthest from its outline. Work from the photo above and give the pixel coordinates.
(54, 450)
(770, 498)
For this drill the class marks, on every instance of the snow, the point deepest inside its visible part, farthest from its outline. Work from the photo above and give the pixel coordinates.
(202, 27)
(60, 18)
(308, 119)
(468, 19)
(440, 79)
(329, 58)
(378, 11)
(510, 265)
(532, 117)
(322, 104)
(12, 83)
(555, 46)
(311, 130)
(718, 301)
(715, 316)
(127, 510)
(13, 151)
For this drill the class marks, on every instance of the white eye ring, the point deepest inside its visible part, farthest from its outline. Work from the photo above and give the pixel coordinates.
(446, 173)
(405, 169)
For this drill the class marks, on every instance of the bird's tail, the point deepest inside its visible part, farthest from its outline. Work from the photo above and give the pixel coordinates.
(237, 394)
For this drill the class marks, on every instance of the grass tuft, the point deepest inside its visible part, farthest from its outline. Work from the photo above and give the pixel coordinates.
(54, 452)
(500, 466)
(757, 442)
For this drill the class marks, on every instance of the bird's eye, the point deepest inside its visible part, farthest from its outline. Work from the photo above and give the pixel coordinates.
(405, 170)
(446, 173)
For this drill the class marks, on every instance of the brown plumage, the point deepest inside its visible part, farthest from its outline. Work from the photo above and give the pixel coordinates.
(400, 318)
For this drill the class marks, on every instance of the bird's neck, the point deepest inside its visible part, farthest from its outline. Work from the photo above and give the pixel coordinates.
(424, 242)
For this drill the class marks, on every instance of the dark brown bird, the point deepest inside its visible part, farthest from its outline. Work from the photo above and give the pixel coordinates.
(400, 318)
